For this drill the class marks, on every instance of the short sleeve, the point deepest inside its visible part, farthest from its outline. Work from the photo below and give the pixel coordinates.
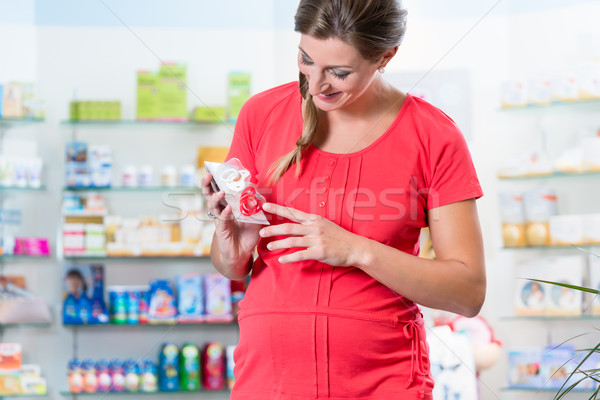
(241, 144)
(453, 176)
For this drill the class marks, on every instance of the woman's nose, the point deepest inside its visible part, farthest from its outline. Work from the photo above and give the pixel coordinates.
(317, 83)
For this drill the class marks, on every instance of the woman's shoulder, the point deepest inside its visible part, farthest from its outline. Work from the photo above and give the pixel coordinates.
(427, 112)
(270, 98)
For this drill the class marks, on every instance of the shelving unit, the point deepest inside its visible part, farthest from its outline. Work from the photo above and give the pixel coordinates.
(164, 394)
(551, 329)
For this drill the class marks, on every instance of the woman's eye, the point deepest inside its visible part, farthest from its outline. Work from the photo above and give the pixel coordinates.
(305, 61)
(340, 75)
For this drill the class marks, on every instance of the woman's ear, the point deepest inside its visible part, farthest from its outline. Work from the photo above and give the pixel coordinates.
(387, 56)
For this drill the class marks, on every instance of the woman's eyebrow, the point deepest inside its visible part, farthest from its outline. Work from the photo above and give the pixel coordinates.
(329, 66)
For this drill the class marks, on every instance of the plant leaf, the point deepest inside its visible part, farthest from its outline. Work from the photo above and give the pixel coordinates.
(566, 285)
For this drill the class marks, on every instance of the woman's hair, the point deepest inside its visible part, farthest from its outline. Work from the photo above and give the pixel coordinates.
(371, 26)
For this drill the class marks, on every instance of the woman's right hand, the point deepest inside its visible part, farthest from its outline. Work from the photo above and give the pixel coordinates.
(235, 240)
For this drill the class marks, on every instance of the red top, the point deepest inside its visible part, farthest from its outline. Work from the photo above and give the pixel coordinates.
(312, 331)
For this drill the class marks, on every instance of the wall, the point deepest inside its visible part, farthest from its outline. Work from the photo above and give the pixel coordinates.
(91, 49)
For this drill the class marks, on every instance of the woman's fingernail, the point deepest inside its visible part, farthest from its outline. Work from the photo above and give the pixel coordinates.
(261, 232)
(266, 206)
(269, 246)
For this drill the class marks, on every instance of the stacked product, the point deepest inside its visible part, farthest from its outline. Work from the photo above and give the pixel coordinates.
(18, 100)
(531, 219)
(20, 172)
(198, 298)
(11, 244)
(17, 379)
(535, 368)
(534, 298)
(582, 84)
(117, 375)
(93, 110)
(184, 369)
(88, 167)
(162, 96)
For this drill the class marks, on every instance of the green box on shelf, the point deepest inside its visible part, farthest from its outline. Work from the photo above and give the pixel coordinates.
(172, 92)
(74, 110)
(209, 114)
(238, 92)
(147, 96)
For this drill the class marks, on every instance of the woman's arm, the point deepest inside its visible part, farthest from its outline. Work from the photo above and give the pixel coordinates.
(454, 282)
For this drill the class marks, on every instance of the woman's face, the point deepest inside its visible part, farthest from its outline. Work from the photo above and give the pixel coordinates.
(337, 74)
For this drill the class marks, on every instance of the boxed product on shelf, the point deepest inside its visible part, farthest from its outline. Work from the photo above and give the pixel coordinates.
(513, 219)
(213, 366)
(513, 94)
(100, 165)
(20, 306)
(238, 92)
(172, 92)
(209, 114)
(566, 230)
(10, 356)
(539, 91)
(76, 166)
(589, 82)
(27, 246)
(190, 367)
(591, 153)
(564, 87)
(20, 171)
(190, 297)
(524, 368)
(557, 363)
(162, 308)
(12, 101)
(539, 204)
(230, 364)
(594, 283)
(218, 298)
(210, 153)
(530, 296)
(83, 295)
(590, 362)
(148, 108)
(591, 229)
(92, 110)
(169, 368)
(567, 270)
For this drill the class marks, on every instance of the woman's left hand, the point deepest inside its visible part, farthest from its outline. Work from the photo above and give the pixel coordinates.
(322, 239)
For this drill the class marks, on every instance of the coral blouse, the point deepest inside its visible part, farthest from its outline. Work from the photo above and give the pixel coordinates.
(309, 330)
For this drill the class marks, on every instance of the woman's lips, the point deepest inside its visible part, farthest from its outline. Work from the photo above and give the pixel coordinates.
(329, 97)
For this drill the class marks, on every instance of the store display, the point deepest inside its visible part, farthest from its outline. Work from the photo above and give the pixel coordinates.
(209, 114)
(190, 368)
(524, 368)
(148, 106)
(190, 298)
(162, 306)
(20, 306)
(540, 205)
(20, 172)
(16, 378)
(172, 92)
(579, 84)
(213, 366)
(534, 298)
(238, 92)
(169, 368)
(83, 295)
(94, 110)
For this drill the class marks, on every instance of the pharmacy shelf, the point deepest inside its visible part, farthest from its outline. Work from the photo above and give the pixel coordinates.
(19, 326)
(195, 393)
(553, 105)
(8, 121)
(10, 396)
(137, 258)
(22, 189)
(150, 326)
(544, 390)
(566, 247)
(24, 257)
(551, 318)
(133, 123)
(132, 189)
(554, 175)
